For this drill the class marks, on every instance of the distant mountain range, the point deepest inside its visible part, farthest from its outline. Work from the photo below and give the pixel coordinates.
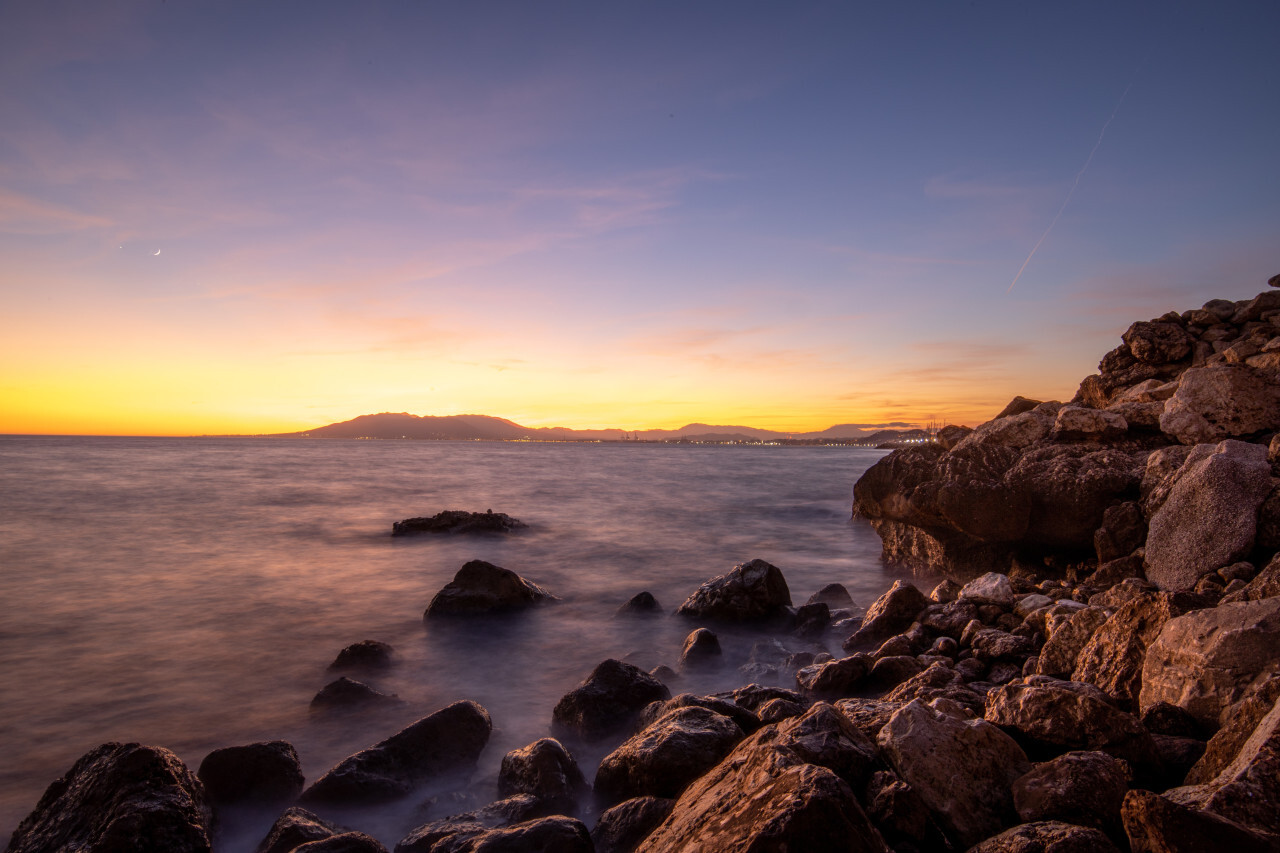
(485, 428)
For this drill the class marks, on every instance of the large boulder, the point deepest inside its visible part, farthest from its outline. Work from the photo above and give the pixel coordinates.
(1207, 660)
(962, 769)
(1084, 788)
(296, 827)
(1157, 342)
(1241, 721)
(449, 741)
(481, 587)
(1068, 633)
(609, 700)
(751, 592)
(544, 769)
(1209, 519)
(1066, 715)
(666, 756)
(259, 772)
(622, 828)
(117, 798)
(892, 613)
(770, 795)
(1113, 658)
(1156, 824)
(1220, 401)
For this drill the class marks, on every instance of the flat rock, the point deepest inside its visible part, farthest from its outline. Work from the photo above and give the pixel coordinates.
(448, 741)
(1209, 519)
(119, 797)
(481, 587)
(751, 592)
(609, 700)
(459, 521)
(962, 769)
(264, 773)
(1206, 660)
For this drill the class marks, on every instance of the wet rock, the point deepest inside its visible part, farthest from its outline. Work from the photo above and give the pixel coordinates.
(481, 587)
(640, 604)
(812, 621)
(346, 694)
(1220, 401)
(991, 588)
(366, 654)
(751, 592)
(1210, 517)
(892, 613)
(1066, 715)
(347, 842)
(545, 770)
(1155, 824)
(1204, 661)
(448, 741)
(701, 650)
(945, 591)
(622, 828)
(294, 828)
(1083, 788)
(557, 834)
(834, 678)
(119, 797)
(777, 710)
(768, 795)
(670, 753)
(459, 521)
(1047, 837)
(834, 595)
(962, 770)
(607, 701)
(950, 618)
(265, 773)
(1114, 656)
(748, 721)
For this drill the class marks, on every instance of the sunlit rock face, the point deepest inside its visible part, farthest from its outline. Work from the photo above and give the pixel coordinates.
(1043, 480)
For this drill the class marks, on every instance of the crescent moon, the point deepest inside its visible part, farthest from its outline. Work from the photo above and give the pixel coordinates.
(157, 252)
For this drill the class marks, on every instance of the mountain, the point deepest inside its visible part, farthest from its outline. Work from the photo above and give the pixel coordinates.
(388, 425)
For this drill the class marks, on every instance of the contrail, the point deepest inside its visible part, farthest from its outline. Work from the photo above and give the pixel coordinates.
(1074, 184)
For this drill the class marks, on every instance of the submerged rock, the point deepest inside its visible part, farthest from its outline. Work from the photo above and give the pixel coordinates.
(481, 587)
(751, 592)
(622, 828)
(296, 827)
(348, 694)
(118, 797)
(640, 604)
(366, 654)
(670, 753)
(448, 741)
(459, 521)
(544, 769)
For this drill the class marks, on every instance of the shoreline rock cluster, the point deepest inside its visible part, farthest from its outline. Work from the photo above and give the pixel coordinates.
(1098, 671)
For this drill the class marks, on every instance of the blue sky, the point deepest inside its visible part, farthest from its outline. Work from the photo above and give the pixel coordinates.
(630, 215)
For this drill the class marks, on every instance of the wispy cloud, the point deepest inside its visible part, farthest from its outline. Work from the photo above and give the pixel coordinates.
(22, 215)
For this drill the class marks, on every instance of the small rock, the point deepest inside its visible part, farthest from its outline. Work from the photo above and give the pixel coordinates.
(366, 654)
(259, 772)
(701, 650)
(622, 828)
(543, 769)
(752, 592)
(663, 759)
(294, 828)
(892, 613)
(640, 604)
(459, 521)
(347, 842)
(346, 694)
(607, 701)
(991, 588)
(481, 587)
(833, 595)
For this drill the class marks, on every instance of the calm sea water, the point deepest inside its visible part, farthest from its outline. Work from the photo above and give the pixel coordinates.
(190, 593)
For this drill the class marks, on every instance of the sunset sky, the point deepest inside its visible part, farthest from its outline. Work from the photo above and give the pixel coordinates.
(246, 217)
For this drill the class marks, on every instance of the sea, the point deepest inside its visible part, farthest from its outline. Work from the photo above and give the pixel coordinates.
(191, 593)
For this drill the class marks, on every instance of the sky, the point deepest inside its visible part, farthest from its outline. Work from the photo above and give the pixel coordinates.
(256, 217)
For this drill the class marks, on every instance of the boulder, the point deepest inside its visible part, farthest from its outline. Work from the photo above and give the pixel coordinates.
(1265, 585)
(1241, 720)
(951, 435)
(264, 773)
(459, 521)
(701, 650)
(622, 828)
(1114, 656)
(1156, 824)
(962, 769)
(294, 828)
(1247, 790)
(1069, 488)
(868, 715)
(1220, 401)
(346, 842)
(748, 721)
(991, 588)
(346, 694)
(992, 644)
(1123, 530)
(901, 815)
(640, 604)
(1205, 661)
(119, 797)
(833, 679)
(834, 595)
(892, 613)
(1209, 519)
(448, 741)
(1083, 788)
(1051, 715)
(768, 795)
(558, 834)
(366, 654)
(481, 587)
(1047, 837)
(452, 834)
(1081, 423)
(666, 756)
(544, 769)
(607, 701)
(1068, 633)
(1157, 342)
(751, 592)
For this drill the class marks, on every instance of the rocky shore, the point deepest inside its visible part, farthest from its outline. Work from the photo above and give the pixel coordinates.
(1098, 672)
